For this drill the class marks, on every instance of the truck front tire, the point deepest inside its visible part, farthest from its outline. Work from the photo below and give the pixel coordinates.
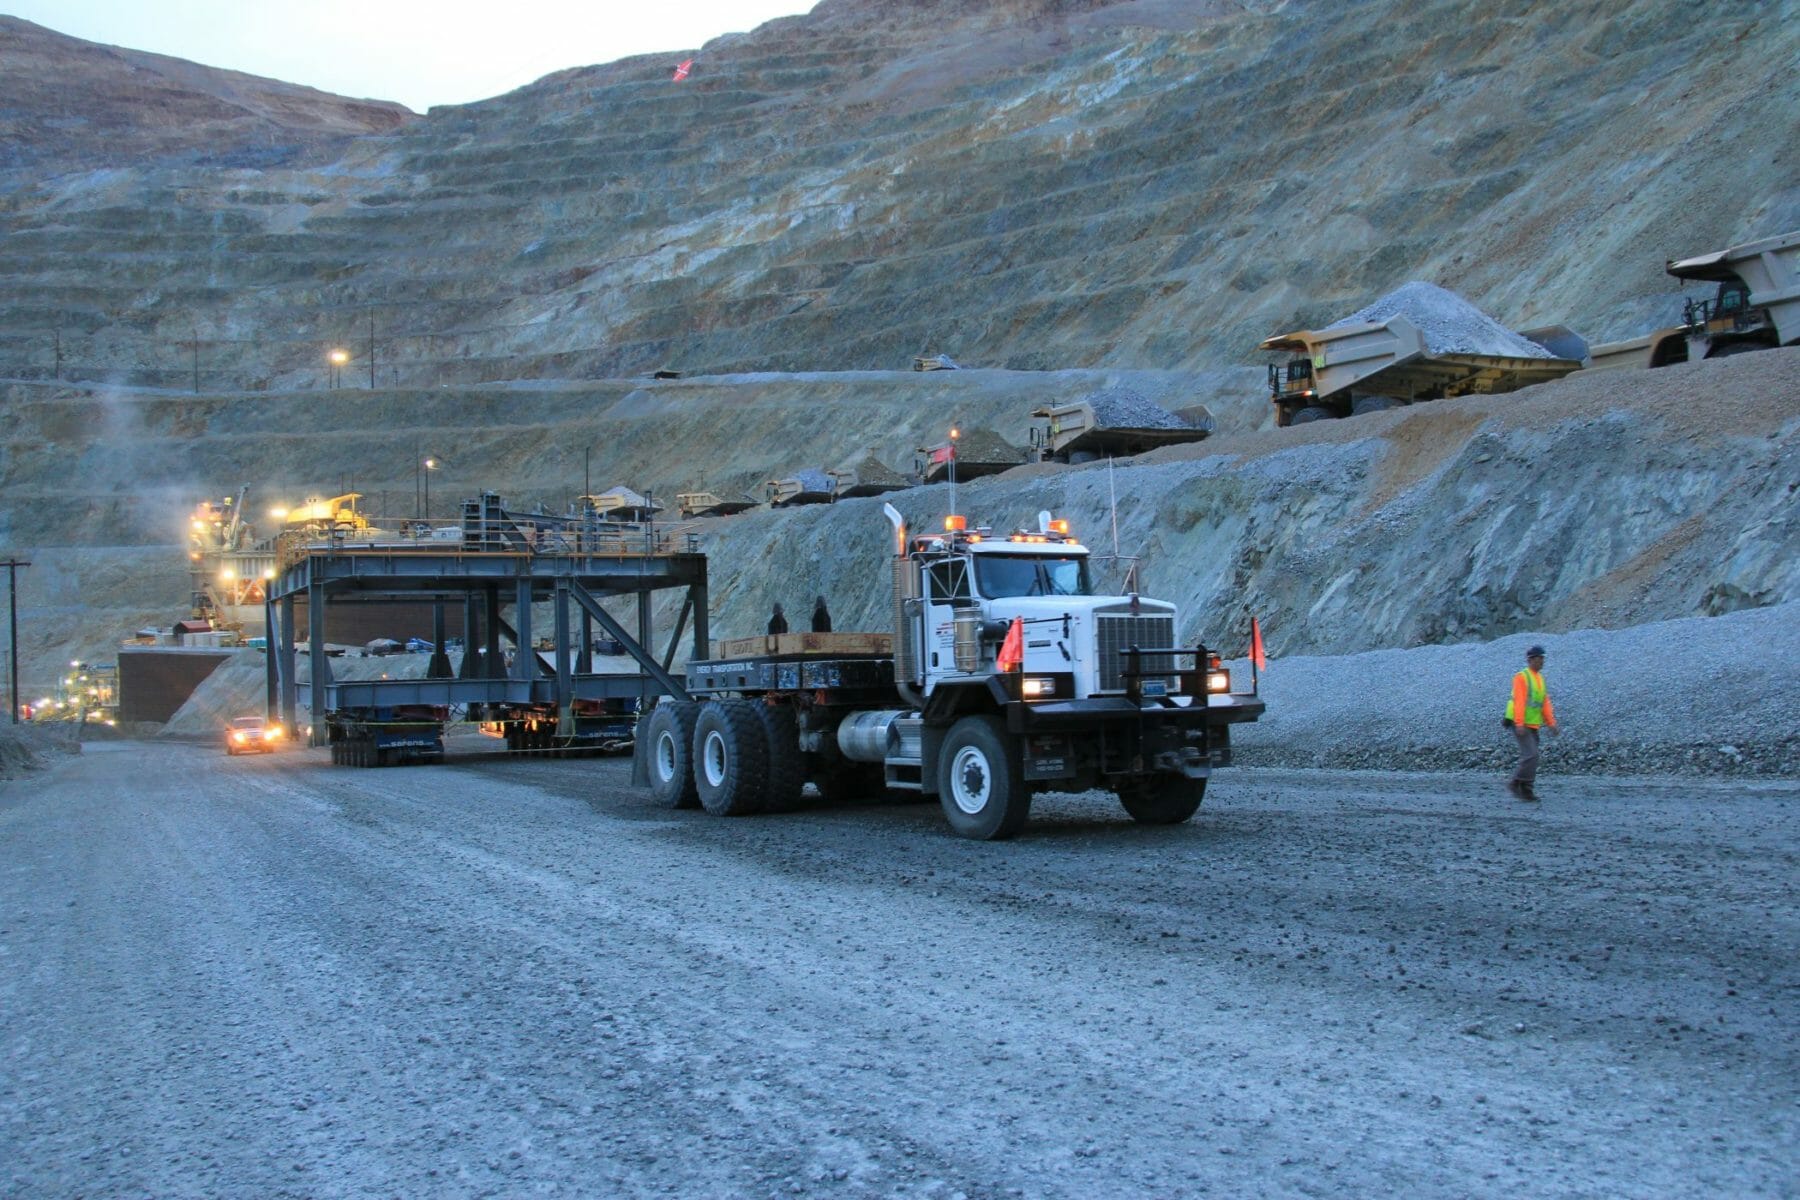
(979, 780)
(669, 734)
(1162, 799)
(731, 758)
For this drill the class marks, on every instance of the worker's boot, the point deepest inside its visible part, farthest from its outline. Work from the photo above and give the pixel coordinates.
(1525, 793)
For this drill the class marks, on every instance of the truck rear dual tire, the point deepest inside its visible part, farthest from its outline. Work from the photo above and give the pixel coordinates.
(1162, 799)
(1310, 414)
(668, 734)
(980, 781)
(787, 772)
(731, 758)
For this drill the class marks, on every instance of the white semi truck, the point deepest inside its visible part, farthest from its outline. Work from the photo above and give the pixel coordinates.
(1004, 676)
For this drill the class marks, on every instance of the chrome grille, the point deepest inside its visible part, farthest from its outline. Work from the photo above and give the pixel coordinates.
(1116, 634)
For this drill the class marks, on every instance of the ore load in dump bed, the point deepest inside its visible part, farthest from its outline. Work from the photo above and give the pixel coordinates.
(1116, 422)
(1419, 342)
(973, 453)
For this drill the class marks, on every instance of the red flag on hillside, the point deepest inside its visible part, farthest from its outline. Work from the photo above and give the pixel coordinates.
(1257, 657)
(1012, 650)
(681, 70)
(943, 453)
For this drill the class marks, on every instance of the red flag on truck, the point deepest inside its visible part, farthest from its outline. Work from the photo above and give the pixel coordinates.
(943, 454)
(1012, 650)
(1257, 657)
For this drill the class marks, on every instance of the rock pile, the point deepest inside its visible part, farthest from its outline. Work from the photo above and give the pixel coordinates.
(1451, 325)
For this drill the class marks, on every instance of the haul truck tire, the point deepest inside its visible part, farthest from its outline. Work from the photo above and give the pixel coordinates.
(731, 758)
(669, 734)
(979, 780)
(1162, 799)
(787, 774)
(1312, 413)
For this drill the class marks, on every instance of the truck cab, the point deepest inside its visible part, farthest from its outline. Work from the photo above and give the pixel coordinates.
(974, 585)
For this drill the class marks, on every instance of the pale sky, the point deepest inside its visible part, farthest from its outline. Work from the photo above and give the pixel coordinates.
(419, 52)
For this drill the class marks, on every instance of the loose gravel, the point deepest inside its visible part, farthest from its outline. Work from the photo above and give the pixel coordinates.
(1451, 325)
(1707, 696)
(504, 977)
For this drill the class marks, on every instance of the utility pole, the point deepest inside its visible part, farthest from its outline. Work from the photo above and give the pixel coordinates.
(12, 612)
(57, 372)
(196, 345)
(371, 348)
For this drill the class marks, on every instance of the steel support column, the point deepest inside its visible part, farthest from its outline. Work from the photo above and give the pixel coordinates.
(290, 698)
(315, 658)
(565, 712)
(524, 657)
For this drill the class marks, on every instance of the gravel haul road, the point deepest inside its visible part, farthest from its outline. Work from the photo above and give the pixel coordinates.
(270, 977)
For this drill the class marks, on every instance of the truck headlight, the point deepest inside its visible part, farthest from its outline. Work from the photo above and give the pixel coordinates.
(1218, 681)
(1034, 687)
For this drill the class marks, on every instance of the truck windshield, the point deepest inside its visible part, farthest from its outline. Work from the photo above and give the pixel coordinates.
(1031, 575)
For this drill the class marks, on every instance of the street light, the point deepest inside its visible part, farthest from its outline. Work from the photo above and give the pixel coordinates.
(430, 462)
(338, 357)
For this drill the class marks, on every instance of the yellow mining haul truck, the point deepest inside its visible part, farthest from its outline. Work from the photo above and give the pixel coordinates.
(1345, 370)
(1756, 307)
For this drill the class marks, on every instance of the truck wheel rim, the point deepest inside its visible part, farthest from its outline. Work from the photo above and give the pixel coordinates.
(665, 757)
(970, 780)
(713, 759)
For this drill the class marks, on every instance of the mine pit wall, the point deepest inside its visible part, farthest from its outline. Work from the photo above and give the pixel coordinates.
(1592, 502)
(1603, 500)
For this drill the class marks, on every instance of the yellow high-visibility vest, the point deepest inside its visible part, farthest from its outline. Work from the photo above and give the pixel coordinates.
(1528, 686)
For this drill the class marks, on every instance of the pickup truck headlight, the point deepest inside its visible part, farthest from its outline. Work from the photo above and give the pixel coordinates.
(1218, 681)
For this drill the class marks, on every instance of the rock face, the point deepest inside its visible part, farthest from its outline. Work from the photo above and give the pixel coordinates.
(1024, 185)
(71, 105)
(1067, 198)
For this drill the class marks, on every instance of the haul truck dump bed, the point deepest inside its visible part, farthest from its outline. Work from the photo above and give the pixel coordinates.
(1756, 307)
(1418, 343)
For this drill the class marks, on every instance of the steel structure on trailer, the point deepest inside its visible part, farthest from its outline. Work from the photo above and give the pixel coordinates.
(495, 558)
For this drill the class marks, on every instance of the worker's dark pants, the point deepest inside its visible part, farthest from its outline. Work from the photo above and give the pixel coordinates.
(1528, 755)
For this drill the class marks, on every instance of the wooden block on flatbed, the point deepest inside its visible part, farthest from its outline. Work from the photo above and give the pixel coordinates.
(806, 645)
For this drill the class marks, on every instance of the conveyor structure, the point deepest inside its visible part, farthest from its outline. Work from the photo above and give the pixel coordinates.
(497, 566)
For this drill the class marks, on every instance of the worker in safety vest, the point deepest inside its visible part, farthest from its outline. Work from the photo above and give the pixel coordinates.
(1527, 711)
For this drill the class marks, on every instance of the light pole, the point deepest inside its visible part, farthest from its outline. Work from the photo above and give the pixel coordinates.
(12, 622)
(431, 463)
(338, 357)
(954, 434)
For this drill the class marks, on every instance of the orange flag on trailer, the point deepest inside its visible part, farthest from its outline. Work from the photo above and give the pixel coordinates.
(681, 70)
(1012, 650)
(1256, 646)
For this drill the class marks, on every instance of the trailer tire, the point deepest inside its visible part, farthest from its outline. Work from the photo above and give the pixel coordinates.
(787, 773)
(980, 785)
(731, 758)
(669, 744)
(1310, 413)
(1162, 799)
